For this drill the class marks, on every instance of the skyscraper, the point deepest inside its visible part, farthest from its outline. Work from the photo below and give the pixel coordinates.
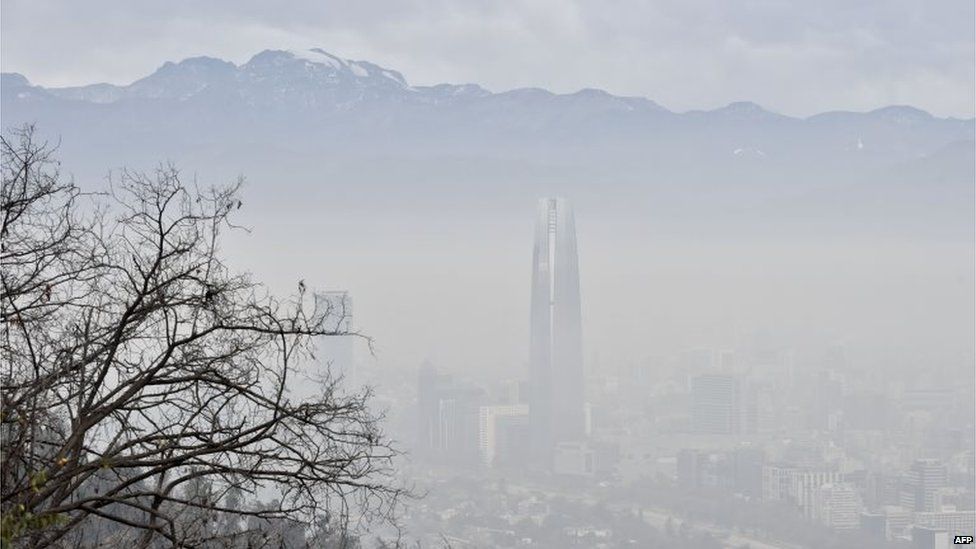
(838, 506)
(921, 485)
(719, 405)
(448, 411)
(495, 429)
(556, 358)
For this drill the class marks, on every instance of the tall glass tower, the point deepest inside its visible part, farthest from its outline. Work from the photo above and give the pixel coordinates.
(556, 409)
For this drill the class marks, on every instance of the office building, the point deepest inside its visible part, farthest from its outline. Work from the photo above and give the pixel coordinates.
(956, 523)
(922, 485)
(891, 522)
(805, 483)
(556, 402)
(838, 506)
(573, 459)
(930, 538)
(498, 431)
(719, 405)
(748, 471)
(448, 414)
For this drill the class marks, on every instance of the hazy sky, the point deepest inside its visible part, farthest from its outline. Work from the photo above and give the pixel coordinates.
(796, 57)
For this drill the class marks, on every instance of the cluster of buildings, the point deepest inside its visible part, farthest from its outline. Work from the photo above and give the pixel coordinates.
(833, 465)
(542, 423)
(850, 449)
(846, 449)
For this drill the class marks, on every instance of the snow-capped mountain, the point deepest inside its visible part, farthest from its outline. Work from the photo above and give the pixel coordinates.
(314, 78)
(313, 85)
(297, 112)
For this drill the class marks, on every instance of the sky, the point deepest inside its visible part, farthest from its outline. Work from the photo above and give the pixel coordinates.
(795, 57)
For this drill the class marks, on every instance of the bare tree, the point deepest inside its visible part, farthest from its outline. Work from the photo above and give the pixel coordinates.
(144, 384)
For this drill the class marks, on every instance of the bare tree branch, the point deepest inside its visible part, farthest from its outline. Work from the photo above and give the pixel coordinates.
(145, 385)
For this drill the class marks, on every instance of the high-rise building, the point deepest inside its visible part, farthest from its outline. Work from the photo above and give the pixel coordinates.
(497, 425)
(431, 387)
(556, 409)
(704, 469)
(796, 484)
(838, 506)
(956, 523)
(573, 458)
(828, 409)
(688, 468)
(448, 413)
(511, 441)
(922, 485)
(748, 471)
(924, 537)
(805, 483)
(719, 405)
(511, 391)
(889, 523)
(776, 481)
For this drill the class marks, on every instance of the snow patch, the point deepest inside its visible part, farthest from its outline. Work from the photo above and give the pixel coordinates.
(317, 57)
(358, 70)
(393, 76)
(754, 153)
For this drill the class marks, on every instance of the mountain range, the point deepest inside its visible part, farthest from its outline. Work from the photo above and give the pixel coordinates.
(313, 116)
(314, 89)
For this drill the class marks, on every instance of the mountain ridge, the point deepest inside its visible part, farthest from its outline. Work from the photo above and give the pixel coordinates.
(287, 109)
(194, 75)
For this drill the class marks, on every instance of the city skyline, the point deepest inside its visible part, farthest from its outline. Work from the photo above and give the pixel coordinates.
(665, 274)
